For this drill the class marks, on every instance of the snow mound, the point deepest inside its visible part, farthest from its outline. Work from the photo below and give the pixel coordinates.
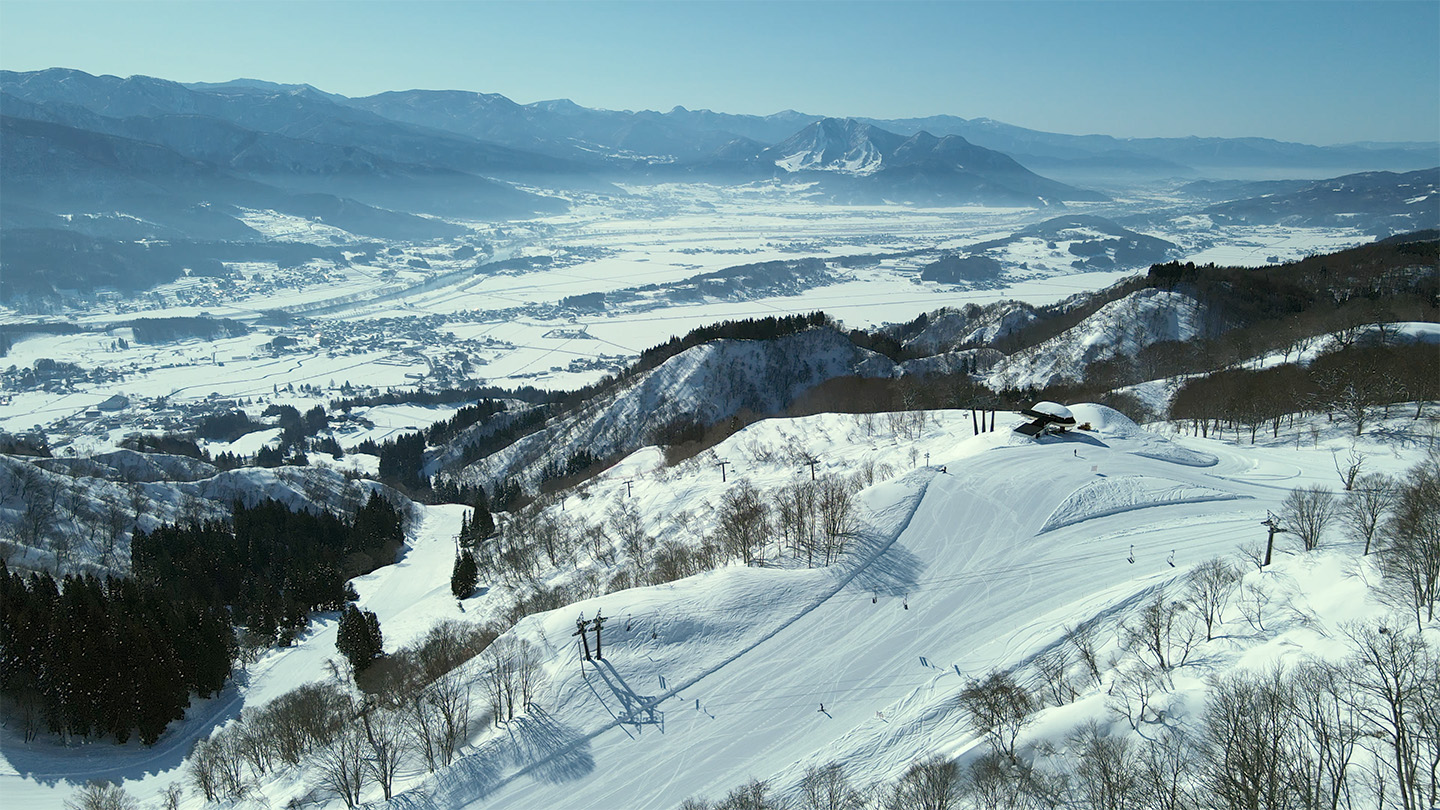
(1054, 409)
(1104, 420)
(1111, 424)
(1112, 496)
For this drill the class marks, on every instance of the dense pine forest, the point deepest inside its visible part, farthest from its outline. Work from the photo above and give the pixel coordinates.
(92, 658)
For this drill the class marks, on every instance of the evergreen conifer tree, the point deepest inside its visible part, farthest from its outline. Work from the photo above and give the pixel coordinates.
(464, 575)
(359, 638)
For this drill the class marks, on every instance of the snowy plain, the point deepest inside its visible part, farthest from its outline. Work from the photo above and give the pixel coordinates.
(382, 322)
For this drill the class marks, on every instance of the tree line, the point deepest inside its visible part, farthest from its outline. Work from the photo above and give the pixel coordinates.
(270, 566)
(1352, 382)
(107, 658)
(90, 658)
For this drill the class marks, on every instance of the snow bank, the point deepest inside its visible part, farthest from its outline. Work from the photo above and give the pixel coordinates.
(1112, 496)
(1109, 423)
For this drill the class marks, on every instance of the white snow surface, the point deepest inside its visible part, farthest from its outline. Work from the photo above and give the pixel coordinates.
(1111, 496)
(715, 679)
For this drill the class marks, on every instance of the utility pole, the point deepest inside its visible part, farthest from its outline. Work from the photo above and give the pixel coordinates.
(812, 462)
(627, 488)
(580, 626)
(927, 458)
(721, 465)
(598, 621)
(1275, 528)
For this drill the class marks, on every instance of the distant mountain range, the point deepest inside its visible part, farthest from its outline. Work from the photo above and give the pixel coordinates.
(562, 127)
(1382, 200)
(105, 158)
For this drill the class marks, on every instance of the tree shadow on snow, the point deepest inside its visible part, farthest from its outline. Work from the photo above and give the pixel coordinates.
(892, 572)
(534, 745)
(50, 762)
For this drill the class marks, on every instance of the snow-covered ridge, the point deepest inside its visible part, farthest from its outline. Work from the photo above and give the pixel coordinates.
(971, 325)
(1120, 328)
(706, 383)
(50, 505)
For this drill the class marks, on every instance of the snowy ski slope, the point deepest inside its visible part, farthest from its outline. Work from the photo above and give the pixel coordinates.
(715, 679)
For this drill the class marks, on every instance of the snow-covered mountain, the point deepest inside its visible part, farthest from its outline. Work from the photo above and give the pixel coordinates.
(878, 163)
(1119, 329)
(834, 144)
(704, 384)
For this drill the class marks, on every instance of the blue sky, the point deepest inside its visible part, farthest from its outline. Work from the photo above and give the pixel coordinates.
(1316, 72)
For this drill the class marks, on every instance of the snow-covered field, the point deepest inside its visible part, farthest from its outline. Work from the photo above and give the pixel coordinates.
(414, 314)
(976, 561)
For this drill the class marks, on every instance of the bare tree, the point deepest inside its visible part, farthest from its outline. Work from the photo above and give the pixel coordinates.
(1307, 512)
(98, 795)
(1169, 770)
(114, 522)
(1365, 506)
(836, 515)
(1412, 537)
(1210, 585)
(625, 523)
(449, 696)
(933, 784)
(510, 676)
(1394, 674)
(999, 708)
(203, 771)
(997, 783)
(1254, 601)
(340, 766)
(1350, 471)
(743, 521)
(228, 763)
(1134, 693)
(1254, 552)
(527, 673)
(794, 509)
(385, 746)
(1164, 628)
(39, 495)
(1326, 736)
(1107, 775)
(753, 795)
(827, 787)
(1053, 665)
(171, 796)
(1246, 728)
(253, 742)
(304, 718)
(1081, 639)
(422, 721)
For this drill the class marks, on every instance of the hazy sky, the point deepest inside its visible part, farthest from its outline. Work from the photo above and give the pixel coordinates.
(1316, 72)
